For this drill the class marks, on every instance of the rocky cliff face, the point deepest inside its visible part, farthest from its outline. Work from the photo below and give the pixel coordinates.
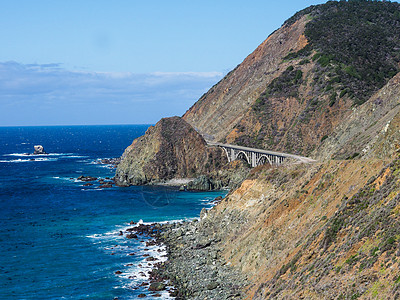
(172, 149)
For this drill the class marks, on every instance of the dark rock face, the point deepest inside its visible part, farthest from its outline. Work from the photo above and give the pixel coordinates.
(170, 149)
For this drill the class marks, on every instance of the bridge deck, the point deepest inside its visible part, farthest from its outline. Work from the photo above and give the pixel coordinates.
(267, 152)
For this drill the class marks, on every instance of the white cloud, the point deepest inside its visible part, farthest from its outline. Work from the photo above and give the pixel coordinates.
(50, 90)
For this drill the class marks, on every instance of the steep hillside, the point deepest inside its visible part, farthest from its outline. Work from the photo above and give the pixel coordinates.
(305, 79)
(323, 231)
(365, 133)
(335, 236)
(217, 111)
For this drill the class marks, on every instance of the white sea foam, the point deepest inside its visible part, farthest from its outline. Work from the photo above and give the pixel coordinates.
(19, 160)
(135, 273)
(106, 166)
(35, 155)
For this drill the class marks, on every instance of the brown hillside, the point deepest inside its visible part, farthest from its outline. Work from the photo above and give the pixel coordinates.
(220, 109)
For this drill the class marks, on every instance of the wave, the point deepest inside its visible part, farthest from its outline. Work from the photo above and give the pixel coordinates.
(132, 273)
(75, 156)
(35, 155)
(19, 160)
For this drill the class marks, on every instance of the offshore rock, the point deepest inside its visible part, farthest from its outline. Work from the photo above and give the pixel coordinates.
(170, 149)
(39, 149)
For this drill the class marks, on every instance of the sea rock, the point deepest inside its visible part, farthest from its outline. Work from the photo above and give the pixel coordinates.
(131, 236)
(142, 296)
(151, 258)
(156, 286)
(39, 149)
(106, 185)
(87, 178)
(109, 161)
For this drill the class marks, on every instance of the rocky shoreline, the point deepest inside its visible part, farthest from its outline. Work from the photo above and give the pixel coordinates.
(195, 268)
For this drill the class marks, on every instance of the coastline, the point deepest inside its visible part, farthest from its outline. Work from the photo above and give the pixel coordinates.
(194, 267)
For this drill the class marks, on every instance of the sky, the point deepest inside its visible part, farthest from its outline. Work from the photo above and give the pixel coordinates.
(92, 62)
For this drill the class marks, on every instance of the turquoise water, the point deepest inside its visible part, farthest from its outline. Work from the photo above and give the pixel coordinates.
(60, 239)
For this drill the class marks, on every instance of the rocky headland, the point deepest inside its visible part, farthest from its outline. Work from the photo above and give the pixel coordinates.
(173, 149)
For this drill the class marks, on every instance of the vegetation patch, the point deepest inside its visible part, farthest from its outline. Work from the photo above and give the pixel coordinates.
(340, 33)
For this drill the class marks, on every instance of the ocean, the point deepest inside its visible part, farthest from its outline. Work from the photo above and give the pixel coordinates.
(59, 239)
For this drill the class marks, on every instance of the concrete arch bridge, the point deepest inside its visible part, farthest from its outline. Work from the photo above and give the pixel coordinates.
(256, 157)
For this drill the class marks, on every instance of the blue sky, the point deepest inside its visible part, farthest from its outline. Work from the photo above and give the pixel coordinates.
(123, 61)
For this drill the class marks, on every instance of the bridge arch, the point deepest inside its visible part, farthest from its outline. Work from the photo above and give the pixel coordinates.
(243, 155)
(263, 159)
(228, 155)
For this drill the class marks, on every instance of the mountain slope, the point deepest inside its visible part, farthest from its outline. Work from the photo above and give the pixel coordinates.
(298, 85)
(225, 103)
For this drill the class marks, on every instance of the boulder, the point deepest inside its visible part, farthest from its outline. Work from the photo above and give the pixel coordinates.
(131, 236)
(156, 286)
(151, 258)
(212, 285)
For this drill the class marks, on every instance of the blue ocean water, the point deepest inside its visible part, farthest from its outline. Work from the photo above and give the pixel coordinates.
(60, 239)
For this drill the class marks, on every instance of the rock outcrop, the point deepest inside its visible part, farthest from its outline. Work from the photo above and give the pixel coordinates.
(173, 149)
